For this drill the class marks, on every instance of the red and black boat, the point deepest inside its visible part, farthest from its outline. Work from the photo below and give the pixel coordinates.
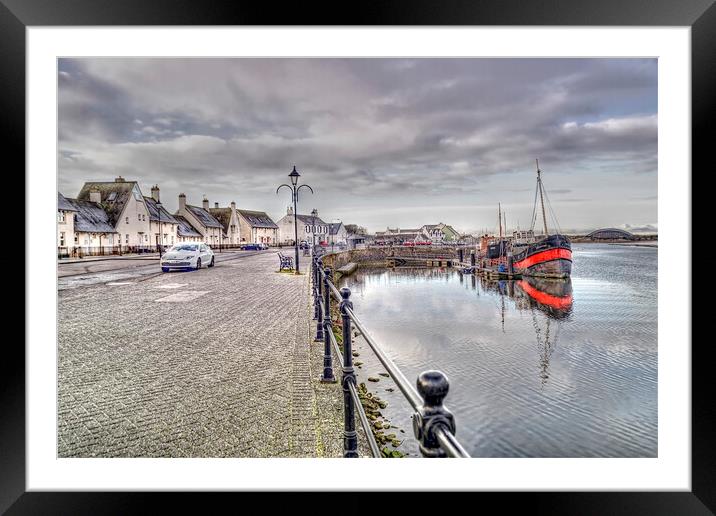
(546, 256)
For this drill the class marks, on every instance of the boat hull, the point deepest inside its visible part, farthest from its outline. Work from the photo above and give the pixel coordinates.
(550, 257)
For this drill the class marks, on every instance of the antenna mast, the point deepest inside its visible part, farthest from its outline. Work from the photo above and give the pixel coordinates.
(541, 197)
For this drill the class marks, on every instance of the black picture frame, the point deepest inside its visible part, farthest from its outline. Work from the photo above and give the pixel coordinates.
(700, 15)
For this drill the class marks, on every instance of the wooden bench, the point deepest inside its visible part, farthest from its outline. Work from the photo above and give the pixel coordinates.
(286, 262)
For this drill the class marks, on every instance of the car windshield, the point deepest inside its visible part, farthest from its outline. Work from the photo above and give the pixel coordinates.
(185, 247)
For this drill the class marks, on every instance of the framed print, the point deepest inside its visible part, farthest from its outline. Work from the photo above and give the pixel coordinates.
(273, 225)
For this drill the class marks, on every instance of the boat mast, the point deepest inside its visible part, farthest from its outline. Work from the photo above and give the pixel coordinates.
(541, 198)
(499, 218)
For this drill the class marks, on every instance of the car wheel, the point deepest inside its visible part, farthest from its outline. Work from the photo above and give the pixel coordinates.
(198, 263)
(165, 269)
(211, 263)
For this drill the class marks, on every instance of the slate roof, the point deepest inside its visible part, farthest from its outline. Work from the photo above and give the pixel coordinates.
(63, 204)
(257, 219)
(90, 217)
(184, 228)
(308, 219)
(158, 213)
(114, 196)
(223, 215)
(204, 217)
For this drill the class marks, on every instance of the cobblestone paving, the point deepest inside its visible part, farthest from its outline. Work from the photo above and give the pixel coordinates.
(226, 374)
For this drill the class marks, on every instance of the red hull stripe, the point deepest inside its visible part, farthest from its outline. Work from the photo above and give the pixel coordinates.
(545, 256)
(560, 303)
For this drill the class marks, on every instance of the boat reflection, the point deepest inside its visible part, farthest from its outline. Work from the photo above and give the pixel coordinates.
(551, 297)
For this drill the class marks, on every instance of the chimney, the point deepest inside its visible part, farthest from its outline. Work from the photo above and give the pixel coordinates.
(155, 193)
(216, 205)
(316, 210)
(119, 179)
(182, 203)
(95, 196)
(205, 203)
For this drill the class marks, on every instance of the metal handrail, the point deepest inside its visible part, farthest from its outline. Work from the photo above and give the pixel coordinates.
(433, 423)
(372, 443)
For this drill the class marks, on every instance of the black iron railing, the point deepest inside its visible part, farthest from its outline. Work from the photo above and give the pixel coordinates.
(433, 423)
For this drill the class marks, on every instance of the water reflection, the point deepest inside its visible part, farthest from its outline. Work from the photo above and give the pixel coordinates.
(551, 297)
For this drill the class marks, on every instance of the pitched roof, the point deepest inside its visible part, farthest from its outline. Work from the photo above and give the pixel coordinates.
(334, 227)
(184, 228)
(158, 213)
(309, 219)
(90, 217)
(114, 196)
(204, 217)
(63, 204)
(223, 215)
(257, 219)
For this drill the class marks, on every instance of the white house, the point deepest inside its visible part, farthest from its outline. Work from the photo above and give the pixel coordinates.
(65, 226)
(186, 232)
(229, 220)
(201, 220)
(286, 228)
(337, 234)
(162, 224)
(125, 207)
(257, 227)
(92, 228)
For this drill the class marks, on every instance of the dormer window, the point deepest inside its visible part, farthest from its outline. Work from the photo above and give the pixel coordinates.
(126, 219)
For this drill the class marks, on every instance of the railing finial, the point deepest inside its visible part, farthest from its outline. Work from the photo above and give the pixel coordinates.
(433, 386)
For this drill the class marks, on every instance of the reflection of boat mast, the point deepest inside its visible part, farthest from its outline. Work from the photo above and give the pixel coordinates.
(545, 348)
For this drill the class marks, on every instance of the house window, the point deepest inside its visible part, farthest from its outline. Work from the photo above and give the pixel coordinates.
(139, 217)
(172, 239)
(86, 241)
(60, 216)
(110, 239)
(146, 237)
(126, 239)
(126, 219)
(143, 219)
(77, 239)
(62, 239)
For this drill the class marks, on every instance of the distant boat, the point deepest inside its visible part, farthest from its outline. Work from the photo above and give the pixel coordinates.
(550, 256)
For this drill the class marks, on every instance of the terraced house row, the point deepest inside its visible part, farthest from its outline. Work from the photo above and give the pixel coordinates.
(114, 217)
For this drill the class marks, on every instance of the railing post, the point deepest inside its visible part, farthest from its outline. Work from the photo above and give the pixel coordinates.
(314, 270)
(432, 386)
(319, 324)
(327, 376)
(350, 437)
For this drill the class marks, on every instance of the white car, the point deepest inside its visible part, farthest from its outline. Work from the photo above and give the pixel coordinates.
(189, 255)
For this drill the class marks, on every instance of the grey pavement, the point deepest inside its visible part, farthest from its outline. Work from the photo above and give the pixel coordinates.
(212, 363)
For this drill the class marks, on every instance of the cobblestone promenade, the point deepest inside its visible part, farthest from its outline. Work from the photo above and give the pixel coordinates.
(211, 363)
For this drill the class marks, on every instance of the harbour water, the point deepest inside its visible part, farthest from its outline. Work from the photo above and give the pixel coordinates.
(536, 370)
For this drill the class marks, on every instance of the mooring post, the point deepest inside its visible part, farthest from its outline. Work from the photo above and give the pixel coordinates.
(432, 386)
(327, 376)
(472, 258)
(350, 437)
(510, 263)
(459, 255)
(319, 323)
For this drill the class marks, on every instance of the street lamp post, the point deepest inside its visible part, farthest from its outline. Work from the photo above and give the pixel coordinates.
(314, 214)
(159, 223)
(294, 175)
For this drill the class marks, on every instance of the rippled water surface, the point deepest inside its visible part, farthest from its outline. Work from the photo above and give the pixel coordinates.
(535, 369)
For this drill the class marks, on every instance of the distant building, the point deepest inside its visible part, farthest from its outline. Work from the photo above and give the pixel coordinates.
(610, 234)
(124, 205)
(162, 224)
(439, 233)
(286, 228)
(337, 234)
(398, 236)
(201, 220)
(230, 222)
(257, 227)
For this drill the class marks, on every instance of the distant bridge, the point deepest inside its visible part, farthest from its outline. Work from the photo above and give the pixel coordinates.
(610, 234)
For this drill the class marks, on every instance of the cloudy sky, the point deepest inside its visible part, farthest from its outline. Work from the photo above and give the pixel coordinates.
(383, 142)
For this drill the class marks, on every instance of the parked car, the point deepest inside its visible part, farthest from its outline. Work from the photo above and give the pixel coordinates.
(251, 247)
(263, 246)
(188, 255)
